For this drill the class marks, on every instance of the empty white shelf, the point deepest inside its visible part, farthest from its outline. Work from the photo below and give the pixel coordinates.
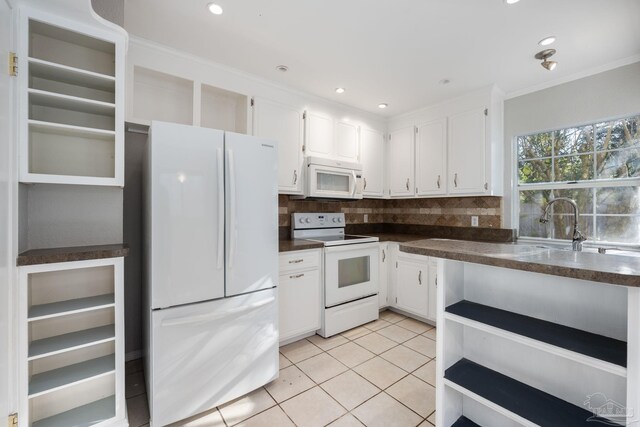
(86, 415)
(75, 76)
(71, 341)
(55, 379)
(70, 130)
(68, 102)
(72, 306)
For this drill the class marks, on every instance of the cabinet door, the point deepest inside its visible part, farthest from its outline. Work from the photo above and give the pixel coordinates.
(412, 286)
(392, 276)
(318, 135)
(433, 289)
(431, 144)
(346, 142)
(372, 157)
(383, 291)
(467, 153)
(401, 156)
(300, 301)
(283, 124)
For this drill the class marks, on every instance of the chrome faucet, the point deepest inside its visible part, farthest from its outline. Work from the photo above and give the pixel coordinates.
(578, 238)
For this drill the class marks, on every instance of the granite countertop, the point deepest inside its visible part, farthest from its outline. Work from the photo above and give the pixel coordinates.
(614, 269)
(288, 245)
(73, 253)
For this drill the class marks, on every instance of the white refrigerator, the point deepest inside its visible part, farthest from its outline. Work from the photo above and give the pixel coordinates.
(211, 248)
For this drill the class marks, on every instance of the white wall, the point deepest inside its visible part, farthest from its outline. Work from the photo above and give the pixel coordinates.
(7, 186)
(611, 94)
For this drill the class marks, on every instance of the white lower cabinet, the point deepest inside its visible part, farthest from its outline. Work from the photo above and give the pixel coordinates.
(72, 344)
(300, 293)
(412, 292)
(412, 283)
(383, 289)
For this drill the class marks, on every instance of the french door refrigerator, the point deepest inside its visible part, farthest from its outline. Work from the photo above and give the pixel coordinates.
(211, 248)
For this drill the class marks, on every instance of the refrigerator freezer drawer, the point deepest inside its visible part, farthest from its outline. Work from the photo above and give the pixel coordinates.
(206, 354)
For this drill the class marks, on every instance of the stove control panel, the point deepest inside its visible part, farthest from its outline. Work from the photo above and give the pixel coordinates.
(317, 220)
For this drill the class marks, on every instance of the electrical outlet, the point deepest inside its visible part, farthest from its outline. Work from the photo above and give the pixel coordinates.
(366, 217)
(474, 221)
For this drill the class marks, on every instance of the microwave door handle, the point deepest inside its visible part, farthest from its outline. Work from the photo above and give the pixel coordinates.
(355, 184)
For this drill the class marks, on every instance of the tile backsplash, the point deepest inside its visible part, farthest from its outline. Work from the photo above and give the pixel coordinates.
(449, 211)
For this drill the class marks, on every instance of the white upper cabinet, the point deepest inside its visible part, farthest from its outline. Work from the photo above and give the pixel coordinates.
(318, 135)
(71, 100)
(284, 124)
(401, 162)
(346, 147)
(372, 149)
(431, 158)
(331, 138)
(467, 153)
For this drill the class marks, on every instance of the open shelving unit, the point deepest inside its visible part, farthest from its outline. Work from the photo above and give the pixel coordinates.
(526, 349)
(71, 106)
(72, 363)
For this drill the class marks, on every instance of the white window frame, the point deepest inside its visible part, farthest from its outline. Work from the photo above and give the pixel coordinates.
(567, 185)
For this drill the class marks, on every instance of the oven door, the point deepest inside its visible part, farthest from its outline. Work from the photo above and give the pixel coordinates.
(351, 272)
(332, 182)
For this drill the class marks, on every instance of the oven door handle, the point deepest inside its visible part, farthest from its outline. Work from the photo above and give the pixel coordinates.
(353, 247)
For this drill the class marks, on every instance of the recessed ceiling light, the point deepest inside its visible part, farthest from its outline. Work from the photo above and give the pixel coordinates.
(547, 41)
(339, 90)
(511, 1)
(383, 105)
(444, 81)
(216, 9)
(282, 68)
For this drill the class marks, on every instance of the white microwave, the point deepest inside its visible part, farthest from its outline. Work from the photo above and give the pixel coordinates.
(331, 179)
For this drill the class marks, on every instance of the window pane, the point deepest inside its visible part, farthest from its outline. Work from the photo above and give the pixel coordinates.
(619, 164)
(531, 208)
(582, 196)
(573, 140)
(531, 171)
(618, 200)
(534, 146)
(574, 168)
(622, 229)
(618, 134)
(562, 226)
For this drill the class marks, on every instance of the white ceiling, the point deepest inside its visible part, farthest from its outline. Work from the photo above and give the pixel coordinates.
(395, 51)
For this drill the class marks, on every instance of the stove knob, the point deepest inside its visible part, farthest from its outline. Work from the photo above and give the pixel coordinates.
(339, 219)
(307, 220)
(302, 220)
(335, 219)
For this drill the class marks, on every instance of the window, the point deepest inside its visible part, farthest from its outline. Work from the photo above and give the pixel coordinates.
(597, 165)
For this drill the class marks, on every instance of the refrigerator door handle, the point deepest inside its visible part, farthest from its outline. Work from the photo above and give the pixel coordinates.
(232, 207)
(209, 317)
(220, 159)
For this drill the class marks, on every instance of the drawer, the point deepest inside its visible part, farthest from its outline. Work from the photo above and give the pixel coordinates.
(299, 260)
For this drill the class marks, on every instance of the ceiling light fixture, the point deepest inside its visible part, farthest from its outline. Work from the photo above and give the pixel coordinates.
(547, 41)
(544, 55)
(282, 68)
(383, 105)
(339, 90)
(216, 9)
(511, 1)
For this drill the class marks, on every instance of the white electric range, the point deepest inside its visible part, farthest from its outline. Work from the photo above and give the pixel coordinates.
(350, 270)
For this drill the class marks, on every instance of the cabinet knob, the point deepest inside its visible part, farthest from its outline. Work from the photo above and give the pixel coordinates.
(384, 255)
(365, 183)
(455, 180)
(296, 276)
(407, 184)
(420, 277)
(295, 177)
(296, 261)
(438, 182)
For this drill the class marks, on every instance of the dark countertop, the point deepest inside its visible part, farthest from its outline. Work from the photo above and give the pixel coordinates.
(397, 237)
(614, 269)
(298, 245)
(73, 253)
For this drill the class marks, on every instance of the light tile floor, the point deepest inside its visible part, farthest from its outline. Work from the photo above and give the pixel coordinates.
(380, 374)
